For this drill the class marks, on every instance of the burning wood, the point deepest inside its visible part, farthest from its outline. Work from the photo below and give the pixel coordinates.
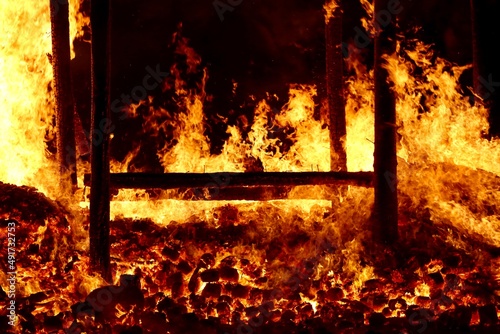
(100, 191)
(385, 211)
(187, 273)
(59, 14)
(230, 180)
(274, 266)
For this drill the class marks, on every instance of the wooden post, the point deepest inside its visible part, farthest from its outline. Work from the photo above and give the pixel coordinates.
(65, 107)
(385, 228)
(334, 84)
(486, 70)
(100, 192)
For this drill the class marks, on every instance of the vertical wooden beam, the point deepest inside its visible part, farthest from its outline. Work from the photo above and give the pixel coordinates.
(65, 107)
(385, 228)
(100, 192)
(335, 84)
(477, 44)
(486, 67)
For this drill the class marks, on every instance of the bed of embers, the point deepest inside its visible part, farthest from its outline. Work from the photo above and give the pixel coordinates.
(240, 276)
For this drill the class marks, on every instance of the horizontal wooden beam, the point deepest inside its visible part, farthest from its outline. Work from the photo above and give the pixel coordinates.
(231, 180)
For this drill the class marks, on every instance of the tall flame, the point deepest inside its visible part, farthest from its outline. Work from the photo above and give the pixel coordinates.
(26, 108)
(26, 96)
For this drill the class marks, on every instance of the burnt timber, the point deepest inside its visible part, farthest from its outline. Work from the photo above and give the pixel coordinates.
(230, 180)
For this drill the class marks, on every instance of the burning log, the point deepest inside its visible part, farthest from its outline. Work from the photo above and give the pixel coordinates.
(65, 108)
(100, 193)
(232, 180)
(385, 228)
(334, 85)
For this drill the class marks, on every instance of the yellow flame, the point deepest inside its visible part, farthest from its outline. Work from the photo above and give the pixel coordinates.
(360, 119)
(367, 23)
(26, 106)
(422, 290)
(330, 8)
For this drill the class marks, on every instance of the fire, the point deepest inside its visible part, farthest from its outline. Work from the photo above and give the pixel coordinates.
(27, 102)
(26, 110)
(367, 21)
(359, 118)
(191, 152)
(307, 257)
(330, 7)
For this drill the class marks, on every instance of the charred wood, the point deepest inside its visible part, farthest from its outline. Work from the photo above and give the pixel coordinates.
(235, 180)
(65, 107)
(385, 227)
(100, 193)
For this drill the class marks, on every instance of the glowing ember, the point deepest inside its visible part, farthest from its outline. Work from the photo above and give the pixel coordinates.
(265, 266)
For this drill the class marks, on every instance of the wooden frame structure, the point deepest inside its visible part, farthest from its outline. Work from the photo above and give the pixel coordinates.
(383, 179)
